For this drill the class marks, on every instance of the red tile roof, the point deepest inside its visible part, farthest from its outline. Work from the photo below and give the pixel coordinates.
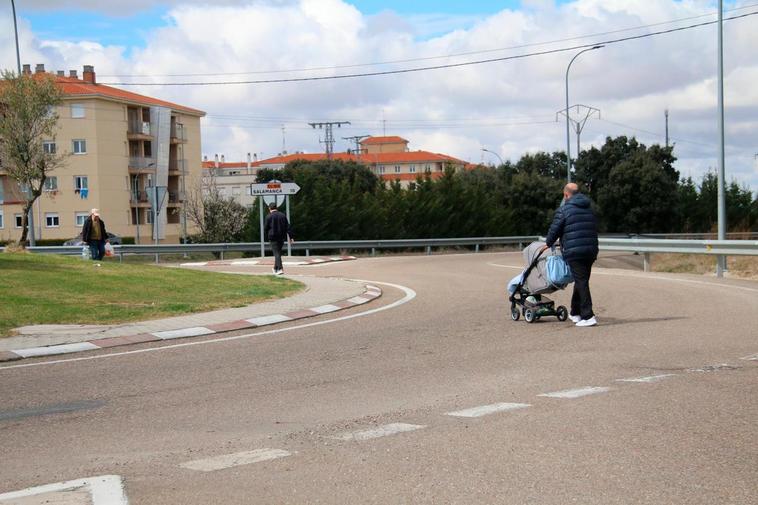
(369, 159)
(383, 140)
(226, 164)
(72, 86)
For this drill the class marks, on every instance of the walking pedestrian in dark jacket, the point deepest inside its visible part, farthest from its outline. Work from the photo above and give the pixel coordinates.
(277, 229)
(94, 235)
(575, 225)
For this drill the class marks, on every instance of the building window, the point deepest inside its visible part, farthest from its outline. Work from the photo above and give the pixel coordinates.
(397, 169)
(413, 169)
(381, 170)
(2, 222)
(439, 167)
(52, 220)
(427, 168)
(49, 147)
(80, 218)
(79, 146)
(51, 183)
(18, 220)
(149, 216)
(80, 182)
(77, 110)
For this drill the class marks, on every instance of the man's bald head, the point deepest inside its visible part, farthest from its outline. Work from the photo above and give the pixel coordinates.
(570, 190)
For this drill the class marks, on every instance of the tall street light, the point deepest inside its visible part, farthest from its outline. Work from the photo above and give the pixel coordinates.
(15, 29)
(721, 260)
(568, 139)
(493, 152)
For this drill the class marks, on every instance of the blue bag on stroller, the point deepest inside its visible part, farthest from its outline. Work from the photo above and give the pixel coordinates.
(558, 272)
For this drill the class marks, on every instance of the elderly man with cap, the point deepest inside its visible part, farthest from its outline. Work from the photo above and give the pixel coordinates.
(94, 234)
(575, 225)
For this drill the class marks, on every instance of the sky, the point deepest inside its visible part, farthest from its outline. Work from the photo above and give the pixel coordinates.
(507, 106)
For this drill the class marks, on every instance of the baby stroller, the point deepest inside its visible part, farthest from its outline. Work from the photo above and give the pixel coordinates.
(546, 272)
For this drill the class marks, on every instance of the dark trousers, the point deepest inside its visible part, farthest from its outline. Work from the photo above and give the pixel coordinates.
(97, 249)
(581, 300)
(276, 246)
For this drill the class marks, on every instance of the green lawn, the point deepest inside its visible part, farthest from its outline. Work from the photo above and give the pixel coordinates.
(48, 289)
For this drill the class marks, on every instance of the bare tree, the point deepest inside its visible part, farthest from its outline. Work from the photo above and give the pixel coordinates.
(27, 120)
(218, 218)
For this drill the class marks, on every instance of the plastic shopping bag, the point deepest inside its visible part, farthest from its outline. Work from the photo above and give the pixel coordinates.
(109, 249)
(558, 272)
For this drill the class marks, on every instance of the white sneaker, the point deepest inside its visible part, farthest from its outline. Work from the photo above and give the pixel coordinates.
(274, 271)
(587, 322)
(575, 319)
(279, 272)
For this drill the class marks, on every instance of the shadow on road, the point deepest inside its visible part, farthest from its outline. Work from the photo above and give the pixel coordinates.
(611, 321)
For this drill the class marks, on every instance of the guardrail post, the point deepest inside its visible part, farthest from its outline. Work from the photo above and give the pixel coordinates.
(307, 252)
(373, 251)
(520, 246)
(156, 258)
(428, 250)
(721, 267)
(646, 262)
(222, 255)
(477, 248)
(120, 257)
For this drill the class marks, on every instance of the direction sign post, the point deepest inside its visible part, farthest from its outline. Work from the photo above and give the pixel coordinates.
(273, 189)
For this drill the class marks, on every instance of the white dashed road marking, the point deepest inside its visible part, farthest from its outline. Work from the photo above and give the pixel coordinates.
(484, 410)
(236, 459)
(650, 378)
(102, 490)
(576, 393)
(381, 431)
(753, 357)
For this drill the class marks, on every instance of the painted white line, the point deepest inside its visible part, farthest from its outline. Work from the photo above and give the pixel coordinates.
(753, 357)
(409, 295)
(380, 431)
(104, 490)
(649, 378)
(325, 309)
(32, 352)
(236, 459)
(576, 393)
(358, 300)
(484, 410)
(318, 260)
(197, 264)
(294, 263)
(246, 262)
(195, 331)
(264, 320)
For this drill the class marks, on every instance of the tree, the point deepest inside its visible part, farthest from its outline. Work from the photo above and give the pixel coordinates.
(218, 218)
(27, 121)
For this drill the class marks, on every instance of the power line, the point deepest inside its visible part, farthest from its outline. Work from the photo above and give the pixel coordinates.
(429, 58)
(433, 67)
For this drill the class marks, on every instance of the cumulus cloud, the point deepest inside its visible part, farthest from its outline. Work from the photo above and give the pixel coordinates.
(507, 106)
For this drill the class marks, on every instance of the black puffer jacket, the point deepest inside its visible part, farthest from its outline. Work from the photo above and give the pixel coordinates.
(576, 225)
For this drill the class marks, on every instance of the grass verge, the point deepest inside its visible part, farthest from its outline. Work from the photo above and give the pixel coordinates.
(745, 267)
(49, 289)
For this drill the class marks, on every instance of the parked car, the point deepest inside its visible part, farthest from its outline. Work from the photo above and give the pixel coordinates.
(114, 240)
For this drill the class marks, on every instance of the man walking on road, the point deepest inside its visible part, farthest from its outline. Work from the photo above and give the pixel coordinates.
(575, 225)
(277, 229)
(94, 235)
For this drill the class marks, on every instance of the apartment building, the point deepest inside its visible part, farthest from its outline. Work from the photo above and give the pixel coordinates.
(124, 149)
(387, 156)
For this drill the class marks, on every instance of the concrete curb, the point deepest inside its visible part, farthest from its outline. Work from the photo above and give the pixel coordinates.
(371, 293)
(314, 260)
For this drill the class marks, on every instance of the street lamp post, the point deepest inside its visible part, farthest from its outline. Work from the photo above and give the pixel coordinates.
(493, 152)
(568, 137)
(15, 29)
(721, 260)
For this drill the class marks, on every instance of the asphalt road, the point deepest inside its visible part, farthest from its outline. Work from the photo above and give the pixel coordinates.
(284, 416)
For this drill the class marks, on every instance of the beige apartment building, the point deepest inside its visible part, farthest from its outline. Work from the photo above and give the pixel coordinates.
(123, 149)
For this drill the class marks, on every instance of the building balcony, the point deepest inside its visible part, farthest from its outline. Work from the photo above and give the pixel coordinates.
(175, 197)
(139, 130)
(139, 199)
(141, 164)
(178, 134)
(177, 167)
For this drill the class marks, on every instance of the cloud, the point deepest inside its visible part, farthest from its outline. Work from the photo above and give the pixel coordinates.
(508, 106)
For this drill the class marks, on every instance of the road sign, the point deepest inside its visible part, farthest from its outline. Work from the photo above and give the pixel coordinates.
(274, 188)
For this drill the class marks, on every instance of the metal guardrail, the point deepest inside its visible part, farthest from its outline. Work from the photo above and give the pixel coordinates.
(640, 245)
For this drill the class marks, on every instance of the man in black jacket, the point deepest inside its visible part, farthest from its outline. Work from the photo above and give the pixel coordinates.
(575, 225)
(277, 229)
(94, 235)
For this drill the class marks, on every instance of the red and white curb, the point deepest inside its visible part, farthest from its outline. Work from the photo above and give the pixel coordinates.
(371, 293)
(316, 260)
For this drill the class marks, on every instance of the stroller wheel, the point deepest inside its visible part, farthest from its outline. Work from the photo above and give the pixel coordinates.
(562, 313)
(515, 314)
(529, 316)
